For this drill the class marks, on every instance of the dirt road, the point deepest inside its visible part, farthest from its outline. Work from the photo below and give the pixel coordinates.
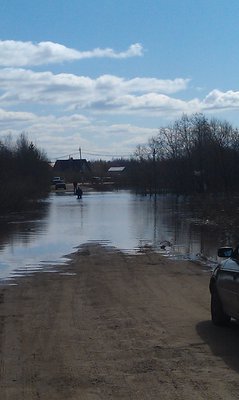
(115, 326)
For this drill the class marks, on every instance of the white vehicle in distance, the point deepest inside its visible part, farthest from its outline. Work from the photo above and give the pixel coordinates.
(58, 182)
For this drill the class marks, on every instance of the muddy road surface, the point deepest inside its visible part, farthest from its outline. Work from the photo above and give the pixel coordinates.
(115, 326)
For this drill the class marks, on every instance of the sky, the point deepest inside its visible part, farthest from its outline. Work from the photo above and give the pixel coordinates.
(102, 76)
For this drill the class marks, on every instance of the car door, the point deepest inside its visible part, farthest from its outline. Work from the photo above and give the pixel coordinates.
(228, 286)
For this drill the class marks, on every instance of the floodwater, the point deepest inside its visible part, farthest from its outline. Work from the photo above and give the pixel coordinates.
(120, 219)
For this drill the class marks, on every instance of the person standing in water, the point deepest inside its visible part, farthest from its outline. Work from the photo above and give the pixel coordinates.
(78, 192)
(75, 186)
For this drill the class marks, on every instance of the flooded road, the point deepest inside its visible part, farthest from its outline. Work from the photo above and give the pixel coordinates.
(121, 219)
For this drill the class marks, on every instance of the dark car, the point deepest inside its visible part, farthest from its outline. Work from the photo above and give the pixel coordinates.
(224, 287)
(60, 185)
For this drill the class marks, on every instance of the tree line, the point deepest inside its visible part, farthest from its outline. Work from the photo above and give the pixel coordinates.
(24, 173)
(192, 155)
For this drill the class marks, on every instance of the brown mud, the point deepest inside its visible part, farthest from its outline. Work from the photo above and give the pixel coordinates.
(115, 326)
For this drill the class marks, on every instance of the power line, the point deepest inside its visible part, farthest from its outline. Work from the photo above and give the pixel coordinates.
(91, 153)
(66, 155)
(106, 155)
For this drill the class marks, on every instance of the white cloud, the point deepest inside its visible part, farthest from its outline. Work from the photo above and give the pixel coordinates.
(80, 92)
(7, 117)
(134, 50)
(60, 111)
(156, 85)
(23, 54)
(153, 103)
(218, 100)
(107, 94)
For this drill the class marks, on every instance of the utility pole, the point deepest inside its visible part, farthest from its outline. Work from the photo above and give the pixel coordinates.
(80, 151)
(154, 173)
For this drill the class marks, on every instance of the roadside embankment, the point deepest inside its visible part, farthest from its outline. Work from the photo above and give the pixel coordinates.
(115, 326)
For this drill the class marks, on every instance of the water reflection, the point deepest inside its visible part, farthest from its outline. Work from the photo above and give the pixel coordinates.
(120, 219)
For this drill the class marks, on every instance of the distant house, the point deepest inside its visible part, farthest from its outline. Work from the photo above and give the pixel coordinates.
(116, 170)
(117, 175)
(72, 165)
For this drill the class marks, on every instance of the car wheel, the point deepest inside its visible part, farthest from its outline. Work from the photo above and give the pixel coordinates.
(219, 317)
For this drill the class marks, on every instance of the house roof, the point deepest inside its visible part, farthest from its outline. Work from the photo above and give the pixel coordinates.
(116, 169)
(77, 164)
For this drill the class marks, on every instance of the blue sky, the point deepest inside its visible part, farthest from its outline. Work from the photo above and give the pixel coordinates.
(105, 75)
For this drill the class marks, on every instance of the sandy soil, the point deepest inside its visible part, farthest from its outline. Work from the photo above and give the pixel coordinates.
(115, 326)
